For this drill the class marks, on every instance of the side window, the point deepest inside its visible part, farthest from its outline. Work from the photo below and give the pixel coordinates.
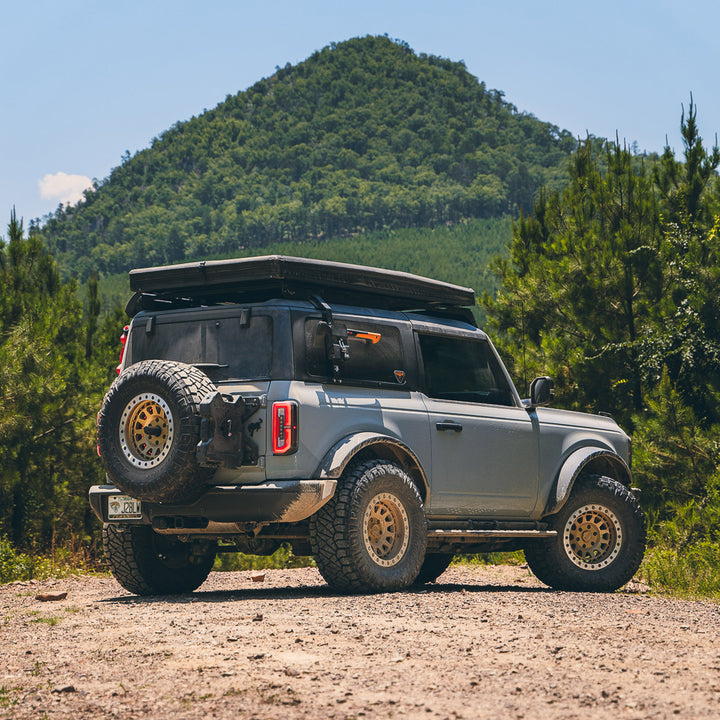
(375, 353)
(463, 369)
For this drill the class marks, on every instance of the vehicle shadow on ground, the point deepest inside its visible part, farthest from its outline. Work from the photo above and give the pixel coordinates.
(315, 591)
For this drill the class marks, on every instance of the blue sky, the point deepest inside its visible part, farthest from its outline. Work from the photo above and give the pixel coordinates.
(82, 82)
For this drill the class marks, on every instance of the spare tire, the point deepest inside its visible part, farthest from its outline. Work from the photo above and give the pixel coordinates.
(148, 429)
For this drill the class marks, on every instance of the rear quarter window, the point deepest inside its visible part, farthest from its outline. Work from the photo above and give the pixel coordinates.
(376, 354)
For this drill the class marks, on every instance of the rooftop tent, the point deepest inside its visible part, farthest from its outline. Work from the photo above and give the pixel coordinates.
(258, 278)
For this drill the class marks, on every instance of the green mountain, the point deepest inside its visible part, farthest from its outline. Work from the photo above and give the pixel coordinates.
(365, 135)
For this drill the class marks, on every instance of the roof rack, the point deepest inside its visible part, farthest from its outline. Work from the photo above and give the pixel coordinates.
(270, 276)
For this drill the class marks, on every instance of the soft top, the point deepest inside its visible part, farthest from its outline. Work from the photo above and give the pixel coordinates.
(259, 278)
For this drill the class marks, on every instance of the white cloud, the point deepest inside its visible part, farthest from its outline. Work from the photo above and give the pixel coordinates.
(67, 189)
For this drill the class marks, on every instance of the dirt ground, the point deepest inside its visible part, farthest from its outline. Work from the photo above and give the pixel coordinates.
(484, 642)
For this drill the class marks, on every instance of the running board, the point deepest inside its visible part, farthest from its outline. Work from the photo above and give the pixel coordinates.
(482, 534)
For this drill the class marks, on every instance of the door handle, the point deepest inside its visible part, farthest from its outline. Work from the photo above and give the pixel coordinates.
(455, 427)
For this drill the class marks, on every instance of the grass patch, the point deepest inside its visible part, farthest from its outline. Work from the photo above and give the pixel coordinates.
(37, 668)
(281, 559)
(494, 558)
(284, 558)
(691, 573)
(7, 698)
(51, 621)
(18, 566)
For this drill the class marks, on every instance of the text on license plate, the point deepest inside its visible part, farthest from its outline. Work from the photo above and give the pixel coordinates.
(123, 507)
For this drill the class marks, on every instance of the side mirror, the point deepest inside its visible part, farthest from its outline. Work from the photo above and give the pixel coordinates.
(541, 391)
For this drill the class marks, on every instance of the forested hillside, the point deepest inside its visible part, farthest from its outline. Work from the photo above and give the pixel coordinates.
(364, 135)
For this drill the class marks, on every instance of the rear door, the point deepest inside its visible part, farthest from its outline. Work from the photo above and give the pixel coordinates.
(377, 390)
(484, 444)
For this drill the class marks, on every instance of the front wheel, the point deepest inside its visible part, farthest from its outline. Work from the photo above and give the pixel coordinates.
(371, 536)
(146, 563)
(600, 539)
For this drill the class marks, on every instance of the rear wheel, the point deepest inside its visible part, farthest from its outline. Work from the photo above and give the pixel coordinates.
(600, 541)
(371, 536)
(434, 565)
(146, 563)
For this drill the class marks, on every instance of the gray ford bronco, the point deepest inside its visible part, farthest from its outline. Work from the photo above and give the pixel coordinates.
(357, 414)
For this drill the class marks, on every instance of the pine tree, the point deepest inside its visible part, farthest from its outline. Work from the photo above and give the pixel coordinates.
(613, 283)
(49, 396)
(687, 343)
(684, 185)
(584, 280)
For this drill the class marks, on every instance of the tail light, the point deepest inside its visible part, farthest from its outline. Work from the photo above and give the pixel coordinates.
(284, 427)
(123, 341)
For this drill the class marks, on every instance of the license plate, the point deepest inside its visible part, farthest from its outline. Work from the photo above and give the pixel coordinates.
(123, 507)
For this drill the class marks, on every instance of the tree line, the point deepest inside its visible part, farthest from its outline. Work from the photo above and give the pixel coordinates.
(56, 358)
(612, 287)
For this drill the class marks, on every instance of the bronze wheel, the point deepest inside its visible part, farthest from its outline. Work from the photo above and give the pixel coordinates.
(592, 537)
(600, 539)
(386, 529)
(146, 430)
(372, 534)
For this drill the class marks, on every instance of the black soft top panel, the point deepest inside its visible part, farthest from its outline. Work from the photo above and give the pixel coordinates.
(258, 278)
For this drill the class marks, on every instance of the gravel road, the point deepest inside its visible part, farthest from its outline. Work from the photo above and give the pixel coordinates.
(484, 642)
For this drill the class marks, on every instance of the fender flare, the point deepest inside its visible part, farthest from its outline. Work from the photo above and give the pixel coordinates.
(574, 466)
(339, 456)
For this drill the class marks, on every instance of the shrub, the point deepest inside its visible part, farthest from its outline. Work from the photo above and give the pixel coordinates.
(694, 572)
(18, 566)
(282, 558)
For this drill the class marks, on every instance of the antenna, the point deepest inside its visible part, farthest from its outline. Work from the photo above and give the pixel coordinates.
(522, 321)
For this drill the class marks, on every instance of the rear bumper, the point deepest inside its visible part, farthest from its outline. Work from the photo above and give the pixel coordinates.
(220, 508)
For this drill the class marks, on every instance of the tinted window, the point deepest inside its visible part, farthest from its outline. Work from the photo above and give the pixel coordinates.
(240, 350)
(375, 353)
(460, 369)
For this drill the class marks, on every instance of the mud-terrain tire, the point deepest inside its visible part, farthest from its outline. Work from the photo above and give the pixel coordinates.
(371, 536)
(600, 541)
(434, 565)
(148, 429)
(146, 563)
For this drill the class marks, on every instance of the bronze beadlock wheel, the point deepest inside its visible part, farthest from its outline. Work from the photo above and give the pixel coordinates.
(385, 529)
(600, 539)
(146, 430)
(371, 535)
(592, 537)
